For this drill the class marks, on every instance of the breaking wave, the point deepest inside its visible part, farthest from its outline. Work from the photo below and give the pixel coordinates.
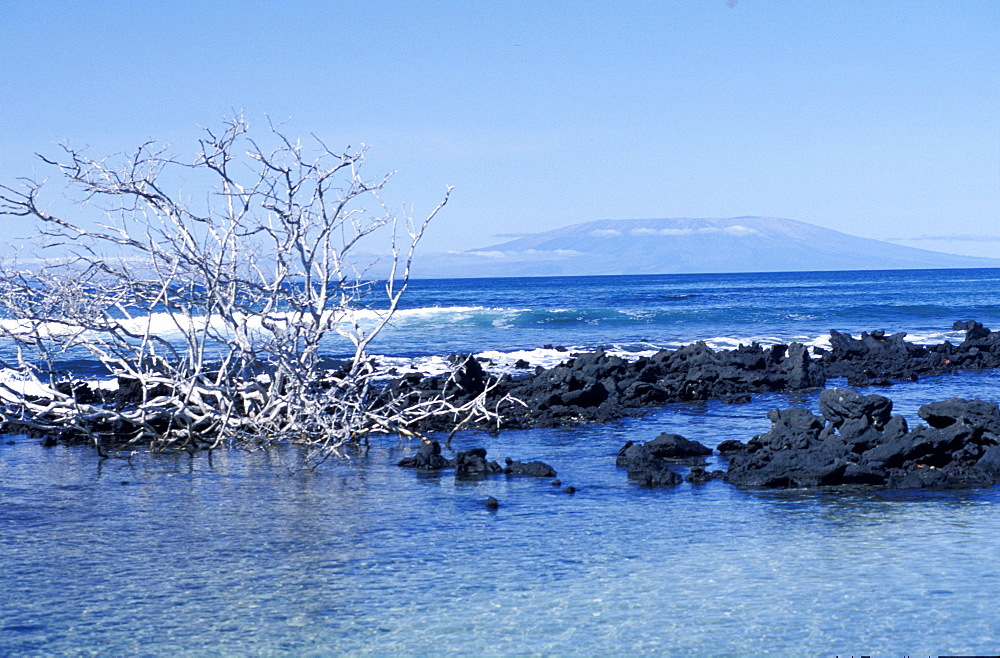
(540, 321)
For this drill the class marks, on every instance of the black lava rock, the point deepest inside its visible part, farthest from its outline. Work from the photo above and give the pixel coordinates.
(731, 447)
(840, 404)
(646, 469)
(675, 446)
(855, 443)
(472, 465)
(699, 475)
(428, 458)
(534, 469)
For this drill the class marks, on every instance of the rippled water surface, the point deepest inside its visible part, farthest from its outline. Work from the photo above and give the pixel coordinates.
(474, 314)
(254, 554)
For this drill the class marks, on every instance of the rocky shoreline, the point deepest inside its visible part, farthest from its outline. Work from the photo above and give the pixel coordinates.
(595, 387)
(856, 440)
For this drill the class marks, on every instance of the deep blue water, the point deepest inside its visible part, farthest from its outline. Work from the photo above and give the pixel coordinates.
(470, 315)
(251, 553)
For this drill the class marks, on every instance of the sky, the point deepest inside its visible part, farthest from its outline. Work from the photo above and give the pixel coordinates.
(880, 119)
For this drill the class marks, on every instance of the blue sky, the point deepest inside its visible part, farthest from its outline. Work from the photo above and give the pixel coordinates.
(880, 119)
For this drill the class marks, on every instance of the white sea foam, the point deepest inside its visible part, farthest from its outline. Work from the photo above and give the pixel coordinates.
(935, 338)
(15, 385)
(427, 320)
(29, 330)
(499, 362)
(431, 312)
(175, 326)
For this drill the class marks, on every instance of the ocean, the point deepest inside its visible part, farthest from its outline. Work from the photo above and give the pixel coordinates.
(630, 314)
(239, 553)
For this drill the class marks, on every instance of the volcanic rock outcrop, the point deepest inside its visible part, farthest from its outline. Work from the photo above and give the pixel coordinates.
(858, 441)
(648, 464)
(597, 387)
(877, 358)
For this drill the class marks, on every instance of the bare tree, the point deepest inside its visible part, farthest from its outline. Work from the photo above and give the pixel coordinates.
(210, 314)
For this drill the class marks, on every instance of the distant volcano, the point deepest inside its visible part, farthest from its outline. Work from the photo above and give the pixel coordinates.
(685, 245)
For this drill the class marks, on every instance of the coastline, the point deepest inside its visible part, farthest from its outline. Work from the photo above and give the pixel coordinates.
(371, 557)
(594, 387)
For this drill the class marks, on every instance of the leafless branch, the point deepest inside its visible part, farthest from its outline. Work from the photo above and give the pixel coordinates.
(211, 317)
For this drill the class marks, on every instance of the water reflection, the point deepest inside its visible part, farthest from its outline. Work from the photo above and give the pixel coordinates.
(254, 554)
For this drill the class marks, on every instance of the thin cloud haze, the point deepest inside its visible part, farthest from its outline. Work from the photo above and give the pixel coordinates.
(960, 237)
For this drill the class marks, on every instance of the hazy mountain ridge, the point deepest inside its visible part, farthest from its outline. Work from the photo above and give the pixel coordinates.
(686, 245)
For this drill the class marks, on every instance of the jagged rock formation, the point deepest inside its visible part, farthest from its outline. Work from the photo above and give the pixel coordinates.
(596, 387)
(649, 463)
(644, 468)
(857, 441)
(877, 358)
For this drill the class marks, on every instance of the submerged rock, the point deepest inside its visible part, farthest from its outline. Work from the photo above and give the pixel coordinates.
(699, 475)
(472, 464)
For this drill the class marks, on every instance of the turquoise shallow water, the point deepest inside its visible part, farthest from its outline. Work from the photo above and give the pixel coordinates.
(254, 554)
